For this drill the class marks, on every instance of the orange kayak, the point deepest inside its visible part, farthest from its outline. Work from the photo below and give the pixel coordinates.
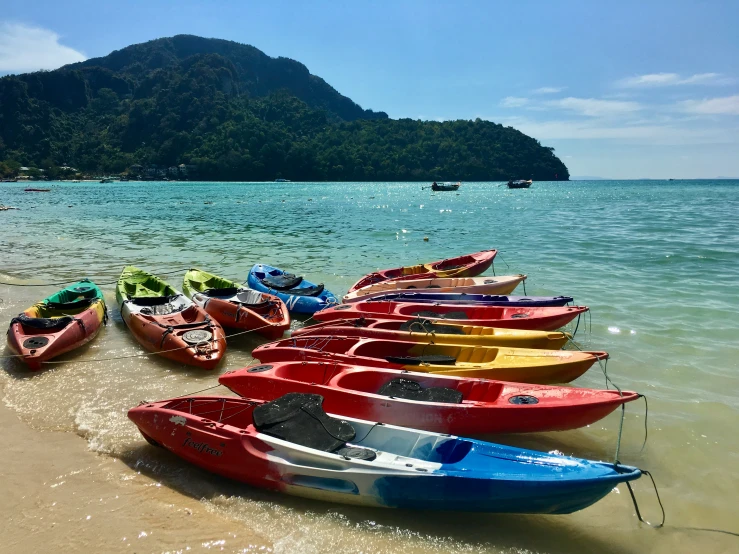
(165, 321)
(236, 306)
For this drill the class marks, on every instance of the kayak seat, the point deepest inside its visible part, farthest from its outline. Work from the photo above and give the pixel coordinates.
(226, 291)
(286, 281)
(448, 315)
(412, 390)
(42, 322)
(421, 326)
(252, 298)
(157, 305)
(76, 305)
(435, 359)
(299, 418)
(315, 290)
(152, 300)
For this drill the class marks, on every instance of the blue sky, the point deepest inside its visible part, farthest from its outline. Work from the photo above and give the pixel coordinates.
(619, 89)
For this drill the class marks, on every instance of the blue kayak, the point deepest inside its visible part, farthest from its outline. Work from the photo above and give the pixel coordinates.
(292, 445)
(474, 299)
(300, 296)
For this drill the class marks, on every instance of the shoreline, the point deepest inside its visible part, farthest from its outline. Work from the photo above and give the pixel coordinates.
(63, 496)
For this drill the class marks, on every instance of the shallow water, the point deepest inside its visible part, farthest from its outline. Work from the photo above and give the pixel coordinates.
(656, 261)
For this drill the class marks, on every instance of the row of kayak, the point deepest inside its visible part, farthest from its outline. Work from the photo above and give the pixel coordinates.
(379, 422)
(188, 326)
(368, 406)
(403, 372)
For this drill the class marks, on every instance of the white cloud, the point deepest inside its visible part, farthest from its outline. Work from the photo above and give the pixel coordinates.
(513, 102)
(595, 107)
(26, 48)
(548, 90)
(728, 105)
(704, 79)
(673, 79)
(642, 133)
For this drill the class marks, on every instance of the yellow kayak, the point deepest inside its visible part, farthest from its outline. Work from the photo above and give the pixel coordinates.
(438, 332)
(522, 365)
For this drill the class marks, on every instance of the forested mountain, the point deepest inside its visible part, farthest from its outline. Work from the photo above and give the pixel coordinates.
(234, 113)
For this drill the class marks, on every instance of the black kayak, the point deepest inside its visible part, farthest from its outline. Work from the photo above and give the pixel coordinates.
(476, 299)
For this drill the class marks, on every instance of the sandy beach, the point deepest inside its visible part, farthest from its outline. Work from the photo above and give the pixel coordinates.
(60, 496)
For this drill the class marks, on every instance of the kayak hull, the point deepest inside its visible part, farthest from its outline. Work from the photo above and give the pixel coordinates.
(39, 333)
(421, 331)
(518, 365)
(270, 322)
(408, 469)
(488, 407)
(534, 319)
(501, 284)
(468, 265)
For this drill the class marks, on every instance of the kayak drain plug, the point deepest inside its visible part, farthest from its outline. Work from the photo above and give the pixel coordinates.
(197, 336)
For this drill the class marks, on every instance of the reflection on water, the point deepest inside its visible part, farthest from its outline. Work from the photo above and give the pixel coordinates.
(657, 262)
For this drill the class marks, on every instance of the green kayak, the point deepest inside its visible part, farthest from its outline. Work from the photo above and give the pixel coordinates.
(137, 283)
(197, 280)
(78, 294)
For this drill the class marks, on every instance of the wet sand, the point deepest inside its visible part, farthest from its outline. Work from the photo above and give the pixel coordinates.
(59, 496)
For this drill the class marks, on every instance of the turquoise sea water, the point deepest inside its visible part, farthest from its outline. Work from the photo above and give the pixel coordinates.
(657, 262)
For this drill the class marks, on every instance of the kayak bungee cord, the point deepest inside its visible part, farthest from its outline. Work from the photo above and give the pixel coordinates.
(617, 462)
(623, 407)
(608, 380)
(646, 416)
(576, 326)
(659, 500)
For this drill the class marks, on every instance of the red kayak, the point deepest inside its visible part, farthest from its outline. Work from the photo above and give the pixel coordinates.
(469, 265)
(455, 405)
(58, 324)
(534, 319)
(521, 365)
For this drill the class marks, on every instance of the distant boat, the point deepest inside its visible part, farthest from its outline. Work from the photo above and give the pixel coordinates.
(283, 181)
(37, 190)
(520, 184)
(106, 180)
(445, 186)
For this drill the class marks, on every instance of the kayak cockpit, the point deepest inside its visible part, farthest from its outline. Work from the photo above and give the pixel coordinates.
(158, 305)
